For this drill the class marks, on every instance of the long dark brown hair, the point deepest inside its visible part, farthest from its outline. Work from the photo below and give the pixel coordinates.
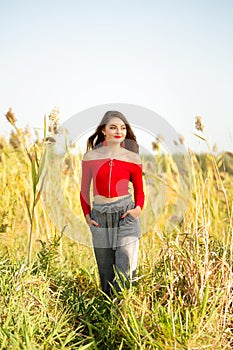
(96, 140)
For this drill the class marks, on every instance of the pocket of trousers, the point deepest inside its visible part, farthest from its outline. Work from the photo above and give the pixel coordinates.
(131, 216)
(93, 217)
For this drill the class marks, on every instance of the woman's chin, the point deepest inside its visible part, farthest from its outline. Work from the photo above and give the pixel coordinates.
(114, 141)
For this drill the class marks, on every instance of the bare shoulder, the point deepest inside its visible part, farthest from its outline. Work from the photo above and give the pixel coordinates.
(93, 155)
(89, 155)
(133, 157)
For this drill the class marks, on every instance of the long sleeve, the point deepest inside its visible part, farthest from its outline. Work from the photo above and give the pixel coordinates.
(137, 181)
(85, 187)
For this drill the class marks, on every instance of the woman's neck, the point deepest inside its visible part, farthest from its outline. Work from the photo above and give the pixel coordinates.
(112, 150)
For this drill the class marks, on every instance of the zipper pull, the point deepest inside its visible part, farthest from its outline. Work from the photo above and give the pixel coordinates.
(111, 163)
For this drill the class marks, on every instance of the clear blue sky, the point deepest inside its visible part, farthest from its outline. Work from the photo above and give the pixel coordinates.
(174, 57)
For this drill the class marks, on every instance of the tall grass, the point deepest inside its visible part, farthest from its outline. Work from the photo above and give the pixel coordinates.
(50, 295)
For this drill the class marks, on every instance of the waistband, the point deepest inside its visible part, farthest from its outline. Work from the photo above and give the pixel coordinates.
(113, 206)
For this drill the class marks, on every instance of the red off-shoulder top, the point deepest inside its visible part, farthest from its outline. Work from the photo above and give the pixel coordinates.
(110, 179)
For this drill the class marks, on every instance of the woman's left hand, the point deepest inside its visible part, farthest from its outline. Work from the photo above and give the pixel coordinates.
(134, 212)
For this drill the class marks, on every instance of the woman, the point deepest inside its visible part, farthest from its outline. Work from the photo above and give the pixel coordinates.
(111, 161)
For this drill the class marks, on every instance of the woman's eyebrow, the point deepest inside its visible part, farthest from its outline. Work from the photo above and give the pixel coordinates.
(116, 124)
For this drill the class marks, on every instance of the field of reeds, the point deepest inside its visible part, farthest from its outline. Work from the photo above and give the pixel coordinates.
(49, 286)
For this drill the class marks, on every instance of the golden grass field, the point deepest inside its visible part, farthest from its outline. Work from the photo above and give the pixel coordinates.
(49, 288)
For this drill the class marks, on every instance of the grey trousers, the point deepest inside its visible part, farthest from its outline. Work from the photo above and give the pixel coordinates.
(116, 242)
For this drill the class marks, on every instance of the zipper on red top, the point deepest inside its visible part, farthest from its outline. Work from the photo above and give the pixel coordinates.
(111, 163)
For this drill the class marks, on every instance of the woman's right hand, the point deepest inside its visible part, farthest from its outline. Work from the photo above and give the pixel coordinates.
(90, 221)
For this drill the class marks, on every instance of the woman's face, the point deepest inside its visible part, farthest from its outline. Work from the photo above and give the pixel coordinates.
(115, 130)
